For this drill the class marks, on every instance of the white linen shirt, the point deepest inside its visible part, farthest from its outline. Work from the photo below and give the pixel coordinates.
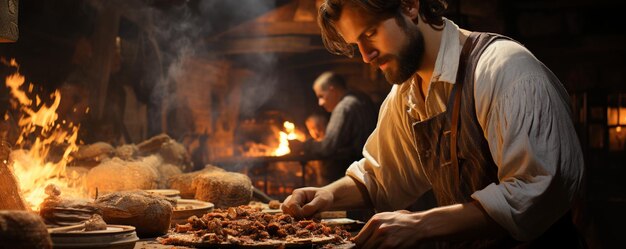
(524, 114)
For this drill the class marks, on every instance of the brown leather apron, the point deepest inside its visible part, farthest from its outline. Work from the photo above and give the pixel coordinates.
(456, 156)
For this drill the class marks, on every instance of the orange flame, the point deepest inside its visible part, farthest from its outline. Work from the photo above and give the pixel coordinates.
(276, 149)
(32, 168)
(285, 136)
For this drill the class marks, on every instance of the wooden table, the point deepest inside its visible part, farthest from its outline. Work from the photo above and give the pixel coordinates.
(152, 244)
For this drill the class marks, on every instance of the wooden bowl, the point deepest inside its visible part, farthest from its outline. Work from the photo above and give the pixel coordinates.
(170, 193)
(186, 208)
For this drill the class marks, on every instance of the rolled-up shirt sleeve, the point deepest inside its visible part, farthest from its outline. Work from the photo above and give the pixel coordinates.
(532, 140)
(390, 168)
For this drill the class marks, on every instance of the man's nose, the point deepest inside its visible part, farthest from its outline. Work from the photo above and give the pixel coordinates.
(368, 53)
(320, 102)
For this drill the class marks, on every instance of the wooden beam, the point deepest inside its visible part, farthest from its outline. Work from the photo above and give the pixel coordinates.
(306, 11)
(283, 44)
(273, 29)
(280, 14)
(106, 30)
(318, 58)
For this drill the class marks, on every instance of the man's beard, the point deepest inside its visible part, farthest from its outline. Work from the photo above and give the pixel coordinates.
(408, 60)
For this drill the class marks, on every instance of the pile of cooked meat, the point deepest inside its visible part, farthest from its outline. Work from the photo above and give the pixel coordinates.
(249, 225)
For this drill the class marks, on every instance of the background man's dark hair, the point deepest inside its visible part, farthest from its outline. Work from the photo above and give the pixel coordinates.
(327, 79)
(431, 12)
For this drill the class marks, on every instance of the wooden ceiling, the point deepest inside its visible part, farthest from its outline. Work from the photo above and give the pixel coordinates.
(290, 28)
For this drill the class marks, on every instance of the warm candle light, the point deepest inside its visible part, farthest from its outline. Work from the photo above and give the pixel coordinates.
(616, 116)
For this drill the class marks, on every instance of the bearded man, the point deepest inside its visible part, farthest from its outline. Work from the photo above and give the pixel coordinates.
(474, 117)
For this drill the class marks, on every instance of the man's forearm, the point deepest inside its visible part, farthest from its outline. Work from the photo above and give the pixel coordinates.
(459, 222)
(348, 194)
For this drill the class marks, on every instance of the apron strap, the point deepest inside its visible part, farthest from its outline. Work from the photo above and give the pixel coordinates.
(456, 92)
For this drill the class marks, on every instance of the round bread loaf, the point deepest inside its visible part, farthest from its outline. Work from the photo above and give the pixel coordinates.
(224, 189)
(150, 214)
(184, 182)
(176, 154)
(127, 152)
(118, 175)
(166, 171)
(23, 229)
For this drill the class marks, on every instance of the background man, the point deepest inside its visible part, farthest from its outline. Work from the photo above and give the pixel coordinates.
(352, 119)
(316, 125)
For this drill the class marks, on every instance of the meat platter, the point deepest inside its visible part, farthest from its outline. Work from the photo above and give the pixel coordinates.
(247, 226)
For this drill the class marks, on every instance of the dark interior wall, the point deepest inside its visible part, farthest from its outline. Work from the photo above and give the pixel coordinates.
(580, 41)
(48, 33)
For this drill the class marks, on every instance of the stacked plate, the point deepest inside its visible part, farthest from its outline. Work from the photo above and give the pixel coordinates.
(114, 237)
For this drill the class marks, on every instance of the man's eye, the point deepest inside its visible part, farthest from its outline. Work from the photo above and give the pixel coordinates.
(370, 33)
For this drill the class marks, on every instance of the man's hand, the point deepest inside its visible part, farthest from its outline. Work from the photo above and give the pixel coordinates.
(400, 229)
(305, 202)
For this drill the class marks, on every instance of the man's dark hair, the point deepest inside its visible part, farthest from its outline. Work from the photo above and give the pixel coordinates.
(431, 12)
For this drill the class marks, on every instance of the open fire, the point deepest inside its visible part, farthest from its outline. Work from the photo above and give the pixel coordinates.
(34, 164)
(278, 177)
(277, 145)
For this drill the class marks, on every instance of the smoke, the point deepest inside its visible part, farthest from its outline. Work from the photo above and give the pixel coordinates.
(173, 33)
(261, 86)
(258, 89)
(182, 32)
